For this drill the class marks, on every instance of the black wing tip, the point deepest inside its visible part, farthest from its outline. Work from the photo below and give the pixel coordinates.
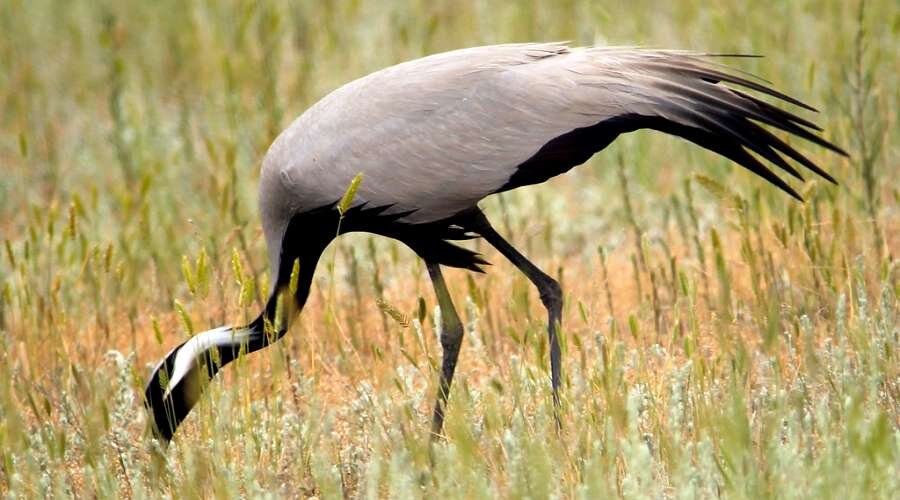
(479, 268)
(828, 177)
(794, 194)
(795, 101)
(477, 264)
(829, 146)
(777, 181)
(839, 150)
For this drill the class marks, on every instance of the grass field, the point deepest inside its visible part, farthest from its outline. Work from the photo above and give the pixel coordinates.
(720, 339)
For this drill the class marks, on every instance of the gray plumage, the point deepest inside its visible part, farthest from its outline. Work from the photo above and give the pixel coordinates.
(434, 136)
(438, 134)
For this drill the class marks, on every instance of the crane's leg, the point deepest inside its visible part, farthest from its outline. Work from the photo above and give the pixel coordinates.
(451, 340)
(549, 289)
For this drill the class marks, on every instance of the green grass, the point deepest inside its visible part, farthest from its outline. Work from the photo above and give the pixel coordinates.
(719, 338)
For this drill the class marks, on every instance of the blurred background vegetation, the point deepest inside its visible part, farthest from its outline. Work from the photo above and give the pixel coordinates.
(721, 339)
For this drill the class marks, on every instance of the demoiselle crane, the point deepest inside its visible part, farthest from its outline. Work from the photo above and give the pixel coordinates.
(434, 136)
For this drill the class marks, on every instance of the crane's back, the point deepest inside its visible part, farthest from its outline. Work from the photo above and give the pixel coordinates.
(425, 133)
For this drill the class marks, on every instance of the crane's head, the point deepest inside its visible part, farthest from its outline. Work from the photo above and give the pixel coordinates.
(179, 379)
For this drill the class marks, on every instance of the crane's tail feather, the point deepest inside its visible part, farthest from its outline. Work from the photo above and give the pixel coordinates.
(691, 102)
(683, 94)
(693, 67)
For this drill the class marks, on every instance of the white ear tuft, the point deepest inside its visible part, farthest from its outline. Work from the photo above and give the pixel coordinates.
(186, 357)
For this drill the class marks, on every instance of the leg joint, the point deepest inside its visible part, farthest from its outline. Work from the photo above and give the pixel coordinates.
(551, 294)
(451, 333)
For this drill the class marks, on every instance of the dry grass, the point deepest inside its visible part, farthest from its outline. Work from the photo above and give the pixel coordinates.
(741, 345)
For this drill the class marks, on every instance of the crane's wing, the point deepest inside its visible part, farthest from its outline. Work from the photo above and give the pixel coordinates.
(678, 93)
(437, 134)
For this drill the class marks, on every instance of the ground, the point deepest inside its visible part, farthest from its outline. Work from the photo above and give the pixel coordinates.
(720, 339)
